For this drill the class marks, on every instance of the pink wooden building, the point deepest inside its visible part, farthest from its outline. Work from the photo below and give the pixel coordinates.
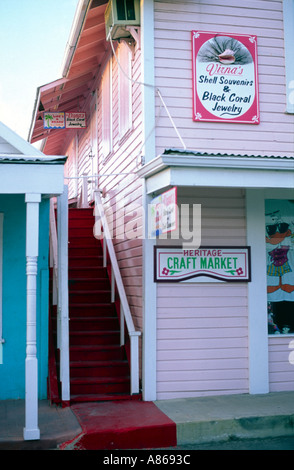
(196, 96)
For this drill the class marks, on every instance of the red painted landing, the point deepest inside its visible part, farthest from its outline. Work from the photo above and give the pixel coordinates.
(122, 425)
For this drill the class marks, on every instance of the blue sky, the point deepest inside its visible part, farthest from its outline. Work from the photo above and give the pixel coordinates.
(33, 37)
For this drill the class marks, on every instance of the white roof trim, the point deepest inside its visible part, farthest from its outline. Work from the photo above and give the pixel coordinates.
(21, 145)
(223, 171)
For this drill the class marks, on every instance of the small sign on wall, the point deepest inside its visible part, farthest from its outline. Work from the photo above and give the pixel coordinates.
(175, 264)
(225, 78)
(163, 213)
(61, 120)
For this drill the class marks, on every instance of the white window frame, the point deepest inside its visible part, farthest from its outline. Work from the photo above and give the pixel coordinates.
(125, 89)
(107, 110)
(288, 11)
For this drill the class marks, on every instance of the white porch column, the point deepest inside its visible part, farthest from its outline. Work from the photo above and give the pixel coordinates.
(149, 346)
(62, 302)
(257, 294)
(31, 430)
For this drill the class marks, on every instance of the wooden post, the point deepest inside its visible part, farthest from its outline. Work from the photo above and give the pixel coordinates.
(31, 430)
(62, 302)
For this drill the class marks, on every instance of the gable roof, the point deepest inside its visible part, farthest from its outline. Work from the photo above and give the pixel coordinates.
(12, 144)
(86, 50)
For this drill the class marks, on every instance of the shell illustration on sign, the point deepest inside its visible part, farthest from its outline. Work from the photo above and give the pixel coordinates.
(224, 49)
(224, 78)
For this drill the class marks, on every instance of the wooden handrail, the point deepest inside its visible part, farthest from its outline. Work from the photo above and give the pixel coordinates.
(101, 220)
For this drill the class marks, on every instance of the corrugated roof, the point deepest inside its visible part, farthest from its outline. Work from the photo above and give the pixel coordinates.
(174, 151)
(32, 159)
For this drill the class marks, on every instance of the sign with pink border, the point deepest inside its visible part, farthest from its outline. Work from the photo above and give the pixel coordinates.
(225, 77)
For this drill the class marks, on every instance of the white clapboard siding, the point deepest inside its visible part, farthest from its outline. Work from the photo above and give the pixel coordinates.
(281, 371)
(174, 21)
(7, 148)
(202, 329)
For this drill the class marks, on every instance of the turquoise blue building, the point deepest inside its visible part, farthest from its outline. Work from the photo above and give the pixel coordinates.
(28, 181)
(12, 368)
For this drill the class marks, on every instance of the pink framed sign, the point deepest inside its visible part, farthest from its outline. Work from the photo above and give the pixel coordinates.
(225, 77)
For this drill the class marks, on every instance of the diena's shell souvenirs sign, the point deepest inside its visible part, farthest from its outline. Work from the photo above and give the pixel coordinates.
(225, 82)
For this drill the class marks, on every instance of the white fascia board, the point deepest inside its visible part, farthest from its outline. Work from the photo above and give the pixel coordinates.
(159, 181)
(76, 29)
(16, 178)
(232, 178)
(213, 171)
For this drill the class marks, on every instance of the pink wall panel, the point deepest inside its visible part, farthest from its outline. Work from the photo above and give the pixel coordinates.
(202, 328)
(174, 21)
(281, 371)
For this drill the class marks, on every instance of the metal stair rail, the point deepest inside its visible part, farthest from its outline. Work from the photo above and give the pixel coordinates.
(116, 280)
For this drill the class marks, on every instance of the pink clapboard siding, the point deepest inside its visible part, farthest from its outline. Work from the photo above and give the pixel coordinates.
(202, 328)
(281, 371)
(123, 192)
(121, 187)
(174, 21)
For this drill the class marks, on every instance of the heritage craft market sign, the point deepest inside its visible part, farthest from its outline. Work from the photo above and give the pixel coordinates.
(174, 264)
(225, 80)
(72, 120)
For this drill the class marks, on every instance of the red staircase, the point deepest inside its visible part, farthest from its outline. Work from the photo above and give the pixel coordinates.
(99, 368)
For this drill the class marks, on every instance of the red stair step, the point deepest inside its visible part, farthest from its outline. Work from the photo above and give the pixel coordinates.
(99, 385)
(85, 250)
(93, 323)
(94, 337)
(77, 222)
(99, 309)
(85, 241)
(86, 297)
(89, 272)
(74, 212)
(85, 261)
(99, 397)
(88, 284)
(80, 232)
(99, 369)
(96, 352)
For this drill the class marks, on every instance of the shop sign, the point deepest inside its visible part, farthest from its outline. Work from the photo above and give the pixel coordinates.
(175, 264)
(73, 120)
(163, 213)
(225, 78)
(54, 121)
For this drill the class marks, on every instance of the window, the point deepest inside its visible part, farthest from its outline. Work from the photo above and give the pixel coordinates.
(125, 89)
(107, 110)
(279, 216)
(288, 7)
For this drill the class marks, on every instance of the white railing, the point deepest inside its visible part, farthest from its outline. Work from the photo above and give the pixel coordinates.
(59, 264)
(116, 281)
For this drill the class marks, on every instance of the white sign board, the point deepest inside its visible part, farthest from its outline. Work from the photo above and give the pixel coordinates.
(163, 213)
(175, 264)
